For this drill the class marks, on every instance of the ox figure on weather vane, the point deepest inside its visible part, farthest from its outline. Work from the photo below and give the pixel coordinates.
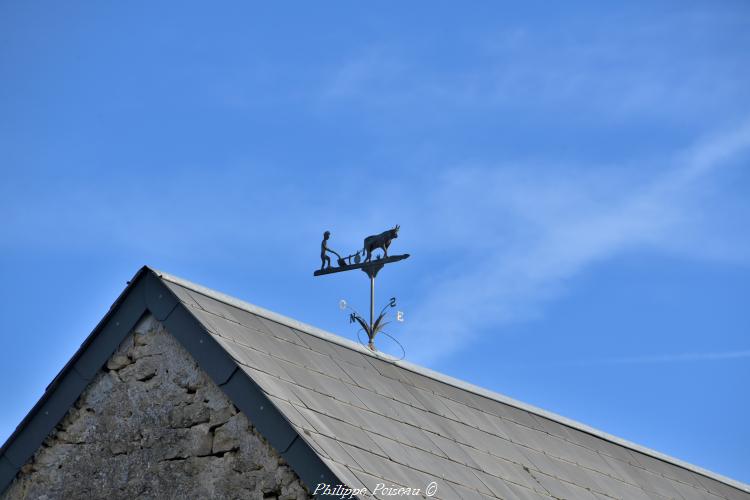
(363, 259)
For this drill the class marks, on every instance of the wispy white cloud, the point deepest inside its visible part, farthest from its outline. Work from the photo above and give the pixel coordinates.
(610, 72)
(516, 234)
(495, 242)
(535, 230)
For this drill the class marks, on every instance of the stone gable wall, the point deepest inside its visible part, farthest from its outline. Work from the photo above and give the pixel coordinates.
(153, 425)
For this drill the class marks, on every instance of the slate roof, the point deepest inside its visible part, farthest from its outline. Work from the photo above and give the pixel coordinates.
(343, 414)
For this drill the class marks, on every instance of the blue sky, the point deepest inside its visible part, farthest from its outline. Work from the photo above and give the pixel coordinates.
(571, 181)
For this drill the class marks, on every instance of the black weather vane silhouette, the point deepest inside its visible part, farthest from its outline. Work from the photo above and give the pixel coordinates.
(363, 259)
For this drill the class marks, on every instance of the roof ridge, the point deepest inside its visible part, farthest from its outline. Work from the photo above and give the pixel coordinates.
(452, 381)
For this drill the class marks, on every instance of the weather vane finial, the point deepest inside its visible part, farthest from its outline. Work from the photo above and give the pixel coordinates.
(370, 267)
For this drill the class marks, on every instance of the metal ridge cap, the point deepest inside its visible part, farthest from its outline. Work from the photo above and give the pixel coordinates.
(447, 379)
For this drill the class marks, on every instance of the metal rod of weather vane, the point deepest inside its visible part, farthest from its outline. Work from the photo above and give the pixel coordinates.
(372, 305)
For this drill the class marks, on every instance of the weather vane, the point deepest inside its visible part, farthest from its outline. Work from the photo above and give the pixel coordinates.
(363, 259)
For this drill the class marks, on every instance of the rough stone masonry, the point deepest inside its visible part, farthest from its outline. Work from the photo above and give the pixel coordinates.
(153, 425)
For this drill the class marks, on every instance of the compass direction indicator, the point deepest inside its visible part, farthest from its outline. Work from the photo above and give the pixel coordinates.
(363, 259)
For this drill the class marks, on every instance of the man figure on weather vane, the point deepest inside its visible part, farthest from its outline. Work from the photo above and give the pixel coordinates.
(323, 249)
